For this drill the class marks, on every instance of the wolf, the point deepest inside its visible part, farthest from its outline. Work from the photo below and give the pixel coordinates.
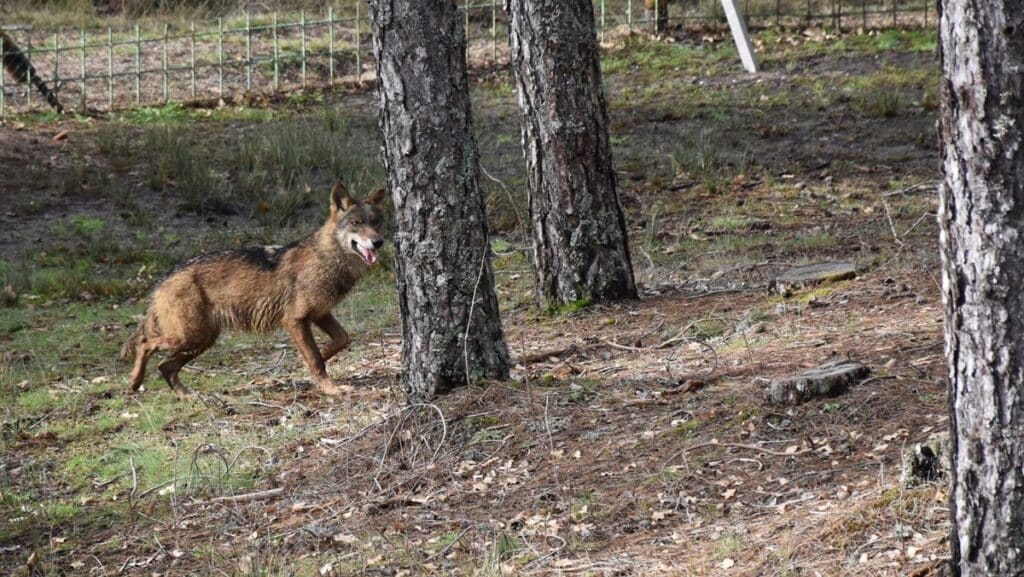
(260, 289)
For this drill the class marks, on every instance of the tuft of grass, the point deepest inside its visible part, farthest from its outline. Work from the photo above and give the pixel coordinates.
(557, 310)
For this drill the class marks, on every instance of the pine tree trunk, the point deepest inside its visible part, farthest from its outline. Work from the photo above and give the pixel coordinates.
(445, 281)
(981, 219)
(579, 232)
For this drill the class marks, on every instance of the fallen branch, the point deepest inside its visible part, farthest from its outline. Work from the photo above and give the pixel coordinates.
(932, 184)
(247, 497)
(764, 450)
(545, 355)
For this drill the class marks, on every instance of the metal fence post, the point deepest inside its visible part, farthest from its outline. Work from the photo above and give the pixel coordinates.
(56, 60)
(359, 47)
(81, 70)
(220, 58)
(248, 53)
(494, 32)
(893, 13)
(165, 88)
(602, 20)
(277, 55)
(302, 44)
(3, 96)
(629, 16)
(138, 66)
(28, 81)
(192, 57)
(110, 69)
(330, 45)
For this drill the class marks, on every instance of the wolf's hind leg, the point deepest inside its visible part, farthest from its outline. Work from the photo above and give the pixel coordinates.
(339, 338)
(170, 367)
(142, 353)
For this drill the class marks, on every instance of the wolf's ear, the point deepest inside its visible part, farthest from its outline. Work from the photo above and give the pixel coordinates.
(340, 199)
(377, 197)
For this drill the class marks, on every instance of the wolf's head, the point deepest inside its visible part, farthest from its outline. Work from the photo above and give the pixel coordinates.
(357, 225)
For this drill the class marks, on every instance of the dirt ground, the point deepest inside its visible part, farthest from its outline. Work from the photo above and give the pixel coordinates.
(632, 439)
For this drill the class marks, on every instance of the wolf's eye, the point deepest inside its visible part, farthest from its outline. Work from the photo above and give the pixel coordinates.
(357, 222)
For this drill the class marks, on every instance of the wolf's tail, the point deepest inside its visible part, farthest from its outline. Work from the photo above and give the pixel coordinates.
(19, 67)
(139, 336)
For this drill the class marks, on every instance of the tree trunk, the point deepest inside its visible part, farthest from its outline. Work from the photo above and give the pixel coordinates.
(445, 282)
(981, 218)
(579, 232)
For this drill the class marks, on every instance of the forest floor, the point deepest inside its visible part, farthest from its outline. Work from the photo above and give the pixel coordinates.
(631, 440)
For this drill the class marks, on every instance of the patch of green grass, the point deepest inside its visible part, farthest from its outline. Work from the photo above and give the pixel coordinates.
(727, 545)
(38, 401)
(729, 222)
(810, 241)
(171, 113)
(652, 58)
(666, 476)
(880, 101)
(685, 430)
(705, 329)
(582, 507)
(557, 310)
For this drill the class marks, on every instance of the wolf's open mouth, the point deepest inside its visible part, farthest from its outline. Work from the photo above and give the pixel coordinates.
(369, 255)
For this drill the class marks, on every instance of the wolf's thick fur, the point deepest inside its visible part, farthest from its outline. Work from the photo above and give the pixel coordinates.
(260, 289)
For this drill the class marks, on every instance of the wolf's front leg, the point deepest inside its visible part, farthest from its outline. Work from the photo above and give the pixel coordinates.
(302, 335)
(339, 338)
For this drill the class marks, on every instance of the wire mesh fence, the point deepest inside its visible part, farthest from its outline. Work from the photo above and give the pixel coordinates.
(266, 53)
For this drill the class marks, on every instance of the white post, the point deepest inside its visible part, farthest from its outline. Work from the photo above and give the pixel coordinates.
(740, 35)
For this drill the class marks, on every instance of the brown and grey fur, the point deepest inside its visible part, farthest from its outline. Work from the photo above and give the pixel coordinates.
(260, 289)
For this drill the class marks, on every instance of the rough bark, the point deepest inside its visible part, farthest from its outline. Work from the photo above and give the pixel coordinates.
(981, 218)
(445, 281)
(579, 232)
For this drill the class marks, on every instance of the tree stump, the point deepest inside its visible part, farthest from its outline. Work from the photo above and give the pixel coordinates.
(927, 461)
(829, 379)
(811, 275)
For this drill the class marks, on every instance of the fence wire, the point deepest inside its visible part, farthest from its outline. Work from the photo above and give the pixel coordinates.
(262, 54)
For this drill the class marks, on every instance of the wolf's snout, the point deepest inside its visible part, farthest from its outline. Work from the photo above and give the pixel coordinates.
(377, 243)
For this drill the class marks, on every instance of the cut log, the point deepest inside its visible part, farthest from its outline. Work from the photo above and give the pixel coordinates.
(827, 380)
(810, 275)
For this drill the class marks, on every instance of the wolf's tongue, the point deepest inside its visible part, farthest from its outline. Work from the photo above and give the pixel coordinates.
(369, 255)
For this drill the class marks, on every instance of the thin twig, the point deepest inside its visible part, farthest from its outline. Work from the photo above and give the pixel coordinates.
(508, 193)
(444, 550)
(933, 184)
(469, 319)
(892, 225)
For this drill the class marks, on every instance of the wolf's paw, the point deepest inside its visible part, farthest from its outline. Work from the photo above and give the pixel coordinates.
(330, 388)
